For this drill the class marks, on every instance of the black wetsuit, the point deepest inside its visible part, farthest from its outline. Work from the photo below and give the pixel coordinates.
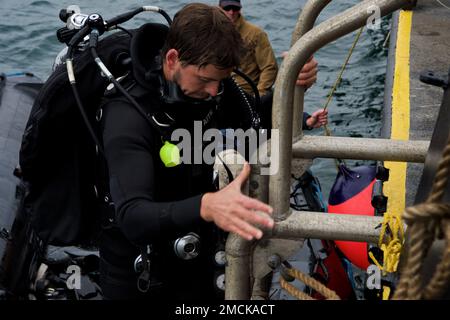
(154, 204)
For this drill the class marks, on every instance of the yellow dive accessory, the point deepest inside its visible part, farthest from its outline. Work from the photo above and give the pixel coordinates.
(170, 154)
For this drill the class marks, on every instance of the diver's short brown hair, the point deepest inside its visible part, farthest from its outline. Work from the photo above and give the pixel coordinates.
(202, 35)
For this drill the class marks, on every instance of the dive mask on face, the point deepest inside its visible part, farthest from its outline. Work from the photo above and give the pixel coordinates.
(173, 97)
(183, 109)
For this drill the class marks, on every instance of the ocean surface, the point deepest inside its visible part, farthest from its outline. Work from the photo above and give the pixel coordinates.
(28, 43)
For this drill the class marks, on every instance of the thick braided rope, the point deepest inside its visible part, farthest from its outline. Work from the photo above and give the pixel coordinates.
(411, 281)
(310, 282)
(293, 291)
(424, 220)
(427, 221)
(441, 279)
(441, 178)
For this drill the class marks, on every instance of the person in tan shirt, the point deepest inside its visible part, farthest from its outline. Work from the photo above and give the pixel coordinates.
(260, 65)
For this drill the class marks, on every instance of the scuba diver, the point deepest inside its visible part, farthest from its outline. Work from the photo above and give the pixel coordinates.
(100, 169)
(169, 217)
(172, 218)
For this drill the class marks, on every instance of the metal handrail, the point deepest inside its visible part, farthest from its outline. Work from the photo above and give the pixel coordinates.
(319, 225)
(238, 251)
(328, 31)
(310, 147)
(307, 18)
(305, 22)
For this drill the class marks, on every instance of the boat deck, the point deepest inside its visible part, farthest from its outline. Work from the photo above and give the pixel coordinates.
(420, 42)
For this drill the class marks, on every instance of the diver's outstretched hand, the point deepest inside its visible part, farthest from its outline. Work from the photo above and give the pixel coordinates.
(233, 211)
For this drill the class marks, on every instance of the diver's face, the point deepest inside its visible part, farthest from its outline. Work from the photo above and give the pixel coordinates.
(195, 82)
(200, 83)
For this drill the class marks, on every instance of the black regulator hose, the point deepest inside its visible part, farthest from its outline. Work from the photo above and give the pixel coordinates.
(111, 23)
(93, 28)
(165, 15)
(252, 114)
(93, 39)
(123, 17)
(111, 78)
(253, 86)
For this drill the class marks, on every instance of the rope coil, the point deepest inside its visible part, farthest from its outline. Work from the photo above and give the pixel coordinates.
(427, 222)
(390, 243)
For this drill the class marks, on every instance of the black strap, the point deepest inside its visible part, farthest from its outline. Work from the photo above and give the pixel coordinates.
(144, 282)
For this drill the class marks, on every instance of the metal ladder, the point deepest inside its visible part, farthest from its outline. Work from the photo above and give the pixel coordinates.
(247, 261)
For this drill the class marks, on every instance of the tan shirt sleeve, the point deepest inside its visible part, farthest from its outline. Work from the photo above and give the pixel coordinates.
(265, 59)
